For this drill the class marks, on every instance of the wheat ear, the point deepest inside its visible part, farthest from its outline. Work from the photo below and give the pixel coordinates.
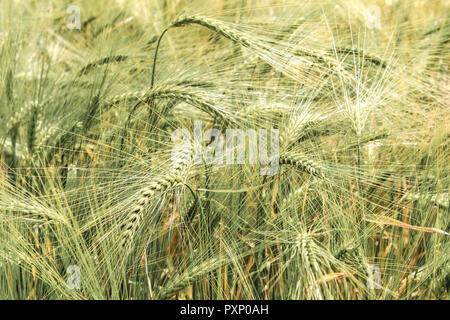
(180, 281)
(90, 66)
(301, 162)
(170, 180)
(26, 110)
(282, 59)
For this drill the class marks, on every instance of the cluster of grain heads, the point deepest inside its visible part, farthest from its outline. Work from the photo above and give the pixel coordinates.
(92, 65)
(313, 72)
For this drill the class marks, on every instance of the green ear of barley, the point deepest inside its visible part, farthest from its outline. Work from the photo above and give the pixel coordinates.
(442, 199)
(178, 94)
(303, 163)
(32, 128)
(361, 54)
(132, 222)
(90, 66)
(134, 219)
(289, 63)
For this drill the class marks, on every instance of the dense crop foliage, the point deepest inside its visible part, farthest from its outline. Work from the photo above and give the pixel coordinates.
(358, 207)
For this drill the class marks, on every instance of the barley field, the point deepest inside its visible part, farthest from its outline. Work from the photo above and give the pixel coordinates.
(99, 199)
